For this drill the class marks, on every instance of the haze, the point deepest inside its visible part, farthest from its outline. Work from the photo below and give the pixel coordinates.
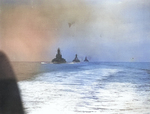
(104, 30)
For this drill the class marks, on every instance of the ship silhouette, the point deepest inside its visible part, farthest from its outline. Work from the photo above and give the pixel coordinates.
(76, 59)
(58, 58)
(86, 60)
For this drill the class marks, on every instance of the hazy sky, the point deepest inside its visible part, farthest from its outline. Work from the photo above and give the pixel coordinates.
(102, 30)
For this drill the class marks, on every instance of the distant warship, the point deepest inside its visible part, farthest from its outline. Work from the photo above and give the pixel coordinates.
(76, 59)
(86, 60)
(58, 58)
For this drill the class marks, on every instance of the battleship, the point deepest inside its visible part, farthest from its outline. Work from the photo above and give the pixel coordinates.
(76, 59)
(86, 60)
(58, 58)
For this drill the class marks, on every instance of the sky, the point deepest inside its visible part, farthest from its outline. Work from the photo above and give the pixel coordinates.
(102, 30)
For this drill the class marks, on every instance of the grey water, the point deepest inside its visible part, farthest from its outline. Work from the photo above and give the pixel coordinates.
(92, 88)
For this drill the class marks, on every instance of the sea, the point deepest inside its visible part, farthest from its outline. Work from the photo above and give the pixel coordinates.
(88, 88)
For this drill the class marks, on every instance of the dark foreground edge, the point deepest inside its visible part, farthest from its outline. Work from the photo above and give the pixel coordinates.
(10, 99)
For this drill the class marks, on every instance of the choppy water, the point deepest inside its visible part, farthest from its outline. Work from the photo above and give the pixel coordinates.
(95, 88)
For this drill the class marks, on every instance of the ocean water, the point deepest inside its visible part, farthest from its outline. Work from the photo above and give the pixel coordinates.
(91, 88)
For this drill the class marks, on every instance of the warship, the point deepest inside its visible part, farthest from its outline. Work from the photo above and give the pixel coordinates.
(76, 59)
(58, 58)
(86, 60)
